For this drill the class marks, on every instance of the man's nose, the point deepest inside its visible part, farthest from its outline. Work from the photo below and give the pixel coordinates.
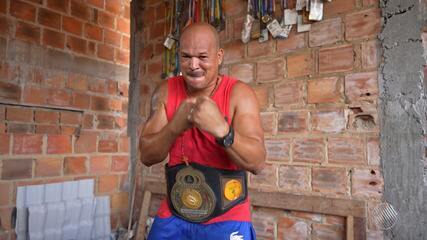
(194, 63)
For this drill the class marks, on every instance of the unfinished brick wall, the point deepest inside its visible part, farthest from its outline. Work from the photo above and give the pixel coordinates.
(318, 92)
(63, 98)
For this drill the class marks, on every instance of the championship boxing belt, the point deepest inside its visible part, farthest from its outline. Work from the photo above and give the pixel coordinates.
(198, 193)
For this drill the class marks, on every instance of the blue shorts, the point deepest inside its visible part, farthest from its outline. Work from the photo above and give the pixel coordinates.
(175, 228)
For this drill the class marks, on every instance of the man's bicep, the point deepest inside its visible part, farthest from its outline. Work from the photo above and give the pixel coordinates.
(156, 122)
(246, 119)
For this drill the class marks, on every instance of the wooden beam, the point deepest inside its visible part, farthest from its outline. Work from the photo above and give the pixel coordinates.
(350, 228)
(316, 204)
(359, 227)
(155, 187)
(143, 215)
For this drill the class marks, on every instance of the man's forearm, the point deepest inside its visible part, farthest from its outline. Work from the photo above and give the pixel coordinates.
(154, 148)
(247, 153)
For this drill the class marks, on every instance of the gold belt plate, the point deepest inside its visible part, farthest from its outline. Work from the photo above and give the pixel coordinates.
(191, 196)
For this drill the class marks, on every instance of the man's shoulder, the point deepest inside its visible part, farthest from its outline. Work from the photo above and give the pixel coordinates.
(241, 94)
(241, 87)
(160, 92)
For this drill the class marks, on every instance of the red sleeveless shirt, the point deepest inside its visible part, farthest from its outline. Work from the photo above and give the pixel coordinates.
(199, 146)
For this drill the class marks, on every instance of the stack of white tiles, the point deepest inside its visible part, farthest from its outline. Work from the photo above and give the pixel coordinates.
(67, 211)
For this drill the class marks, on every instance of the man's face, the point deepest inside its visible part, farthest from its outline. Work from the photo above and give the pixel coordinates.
(199, 58)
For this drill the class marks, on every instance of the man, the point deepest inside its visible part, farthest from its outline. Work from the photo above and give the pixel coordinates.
(210, 128)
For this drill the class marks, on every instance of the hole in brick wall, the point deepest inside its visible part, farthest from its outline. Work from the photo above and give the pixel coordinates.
(287, 212)
(95, 16)
(373, 183)
(356, 110)
(373, 172)
(364, 122)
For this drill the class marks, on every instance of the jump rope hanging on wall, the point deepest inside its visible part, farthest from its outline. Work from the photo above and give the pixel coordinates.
(263, 18)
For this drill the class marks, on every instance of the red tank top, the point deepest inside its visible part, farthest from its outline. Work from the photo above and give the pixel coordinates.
(199, 146)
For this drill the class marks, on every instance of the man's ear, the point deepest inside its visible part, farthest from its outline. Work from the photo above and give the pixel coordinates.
(220, 55)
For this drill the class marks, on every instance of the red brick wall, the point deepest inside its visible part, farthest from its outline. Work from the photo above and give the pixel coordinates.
(97, 29)
(318, 93)
(63, 98)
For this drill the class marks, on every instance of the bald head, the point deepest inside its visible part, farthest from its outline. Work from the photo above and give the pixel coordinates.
(200, 56)
(196, 30)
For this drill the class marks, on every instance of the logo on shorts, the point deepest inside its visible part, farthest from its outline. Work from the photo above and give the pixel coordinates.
(234, 236)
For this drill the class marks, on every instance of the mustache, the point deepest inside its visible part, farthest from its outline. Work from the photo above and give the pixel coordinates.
(195, 73)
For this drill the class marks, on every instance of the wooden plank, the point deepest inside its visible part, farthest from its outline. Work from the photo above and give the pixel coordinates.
(316, 204)
(359, 228)
(350, 228)
(155, 187)
(143, 215)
